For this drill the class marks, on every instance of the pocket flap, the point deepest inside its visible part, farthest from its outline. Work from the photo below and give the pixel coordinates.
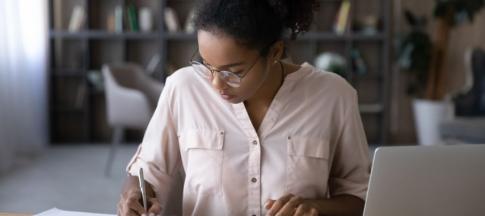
(202, 139)
(308, 147)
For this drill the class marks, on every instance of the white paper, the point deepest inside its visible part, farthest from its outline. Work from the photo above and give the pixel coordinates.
(59, 212)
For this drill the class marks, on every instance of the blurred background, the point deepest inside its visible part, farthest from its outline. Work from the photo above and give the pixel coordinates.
(79, 80)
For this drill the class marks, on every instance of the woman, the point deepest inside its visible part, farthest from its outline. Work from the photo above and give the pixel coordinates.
(254, 135)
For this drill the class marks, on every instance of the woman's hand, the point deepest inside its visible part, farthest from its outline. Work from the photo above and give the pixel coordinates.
(290, 205)
(130, 203)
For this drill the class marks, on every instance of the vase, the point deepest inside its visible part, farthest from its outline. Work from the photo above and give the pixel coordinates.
(428, 115)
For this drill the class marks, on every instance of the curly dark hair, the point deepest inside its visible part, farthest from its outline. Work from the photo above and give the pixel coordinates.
(257, 24)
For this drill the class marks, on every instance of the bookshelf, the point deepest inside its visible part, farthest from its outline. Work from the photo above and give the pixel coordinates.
(77, 109)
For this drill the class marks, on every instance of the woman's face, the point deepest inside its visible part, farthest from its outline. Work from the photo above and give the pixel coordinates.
(224, 53)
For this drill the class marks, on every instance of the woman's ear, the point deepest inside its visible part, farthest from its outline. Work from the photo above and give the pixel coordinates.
(277, 51)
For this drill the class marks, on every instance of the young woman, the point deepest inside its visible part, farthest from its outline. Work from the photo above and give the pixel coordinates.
(254, 135)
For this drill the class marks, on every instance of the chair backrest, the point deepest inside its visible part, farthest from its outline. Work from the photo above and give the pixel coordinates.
(125, 75)
(131, 75)
(473, 102)
(131, 95)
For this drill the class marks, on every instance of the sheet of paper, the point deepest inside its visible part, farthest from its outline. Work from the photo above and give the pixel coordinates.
(59, 212)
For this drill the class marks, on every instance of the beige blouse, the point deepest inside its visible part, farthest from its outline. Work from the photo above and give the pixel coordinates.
(311, 143)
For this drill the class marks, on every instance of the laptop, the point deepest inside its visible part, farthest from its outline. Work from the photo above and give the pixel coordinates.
(427, 181)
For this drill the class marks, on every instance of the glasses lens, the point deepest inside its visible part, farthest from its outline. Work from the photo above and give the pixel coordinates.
(230, 78)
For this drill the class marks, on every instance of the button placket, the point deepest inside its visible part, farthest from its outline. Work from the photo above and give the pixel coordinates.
(253, 176)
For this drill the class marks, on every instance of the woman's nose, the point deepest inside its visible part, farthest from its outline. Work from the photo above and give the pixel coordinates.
(218, 83)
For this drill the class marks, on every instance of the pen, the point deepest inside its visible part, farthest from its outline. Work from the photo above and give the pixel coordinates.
(141, 180)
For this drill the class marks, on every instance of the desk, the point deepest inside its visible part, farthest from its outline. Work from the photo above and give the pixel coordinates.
(13, 214)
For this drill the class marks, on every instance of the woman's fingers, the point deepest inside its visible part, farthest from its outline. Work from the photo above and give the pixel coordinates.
(305, 210)
(155, 208)
(269, 203)
(124, 210)
(129, 204)
(134, 204)
(314, 212)
(278, 204)
(290, 207)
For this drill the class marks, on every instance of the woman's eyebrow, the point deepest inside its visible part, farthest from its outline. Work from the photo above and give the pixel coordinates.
(232, 65)
(224, 66)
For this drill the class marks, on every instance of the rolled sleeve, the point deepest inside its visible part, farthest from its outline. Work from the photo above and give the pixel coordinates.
(351, 167)
(159, 154)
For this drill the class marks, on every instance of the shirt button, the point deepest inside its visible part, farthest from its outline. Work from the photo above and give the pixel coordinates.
(254, 180)
(255, 142)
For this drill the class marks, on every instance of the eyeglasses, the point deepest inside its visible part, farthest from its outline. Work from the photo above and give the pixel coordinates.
(230, 78)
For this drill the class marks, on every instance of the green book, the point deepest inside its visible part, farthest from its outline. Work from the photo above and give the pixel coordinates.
(132, 18)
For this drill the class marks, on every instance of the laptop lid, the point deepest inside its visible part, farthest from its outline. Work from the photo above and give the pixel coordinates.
(427, 181)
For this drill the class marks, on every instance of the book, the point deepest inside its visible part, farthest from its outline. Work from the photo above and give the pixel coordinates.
(145, 19)
(189, 22)
(110, 23)
(341, 23)
(58, 19)
(78, 18)
(118, 19)
(132, 17)
(171, 20)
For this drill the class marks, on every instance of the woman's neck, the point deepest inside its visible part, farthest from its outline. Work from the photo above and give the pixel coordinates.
(270, 87)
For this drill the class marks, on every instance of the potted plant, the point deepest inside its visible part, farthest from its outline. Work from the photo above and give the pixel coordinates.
(421, 56)
(447, 13)
(415, 59)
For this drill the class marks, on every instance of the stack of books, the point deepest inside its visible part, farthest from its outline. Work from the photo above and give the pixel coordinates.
(342, 21)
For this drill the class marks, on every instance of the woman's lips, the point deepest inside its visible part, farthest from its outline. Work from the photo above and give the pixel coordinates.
(226, 96)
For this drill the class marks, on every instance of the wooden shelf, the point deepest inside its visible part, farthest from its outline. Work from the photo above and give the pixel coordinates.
(92, 47)
(71, 110)
(365, 37)
(66, 35)
(67, 72)
(307, 36)
(180, 36)
(103, 35)
(330, 36)
(371, 108)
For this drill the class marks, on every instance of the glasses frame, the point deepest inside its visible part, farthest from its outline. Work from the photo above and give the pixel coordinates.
(224, 75)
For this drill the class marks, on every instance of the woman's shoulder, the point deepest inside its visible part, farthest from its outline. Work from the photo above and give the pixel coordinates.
(186, 83)
(185, 78)
(183, 75)
(324, 81)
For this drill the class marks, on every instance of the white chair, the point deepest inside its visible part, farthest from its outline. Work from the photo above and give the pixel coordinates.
(131, 97)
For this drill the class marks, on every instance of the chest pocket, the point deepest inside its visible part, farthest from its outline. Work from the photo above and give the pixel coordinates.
(307, 166)
(204, 159)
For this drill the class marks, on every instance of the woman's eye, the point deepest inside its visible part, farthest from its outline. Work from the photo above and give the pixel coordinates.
(238, 72)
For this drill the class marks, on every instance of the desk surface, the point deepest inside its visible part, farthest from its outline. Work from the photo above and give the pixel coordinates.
(13, 214)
